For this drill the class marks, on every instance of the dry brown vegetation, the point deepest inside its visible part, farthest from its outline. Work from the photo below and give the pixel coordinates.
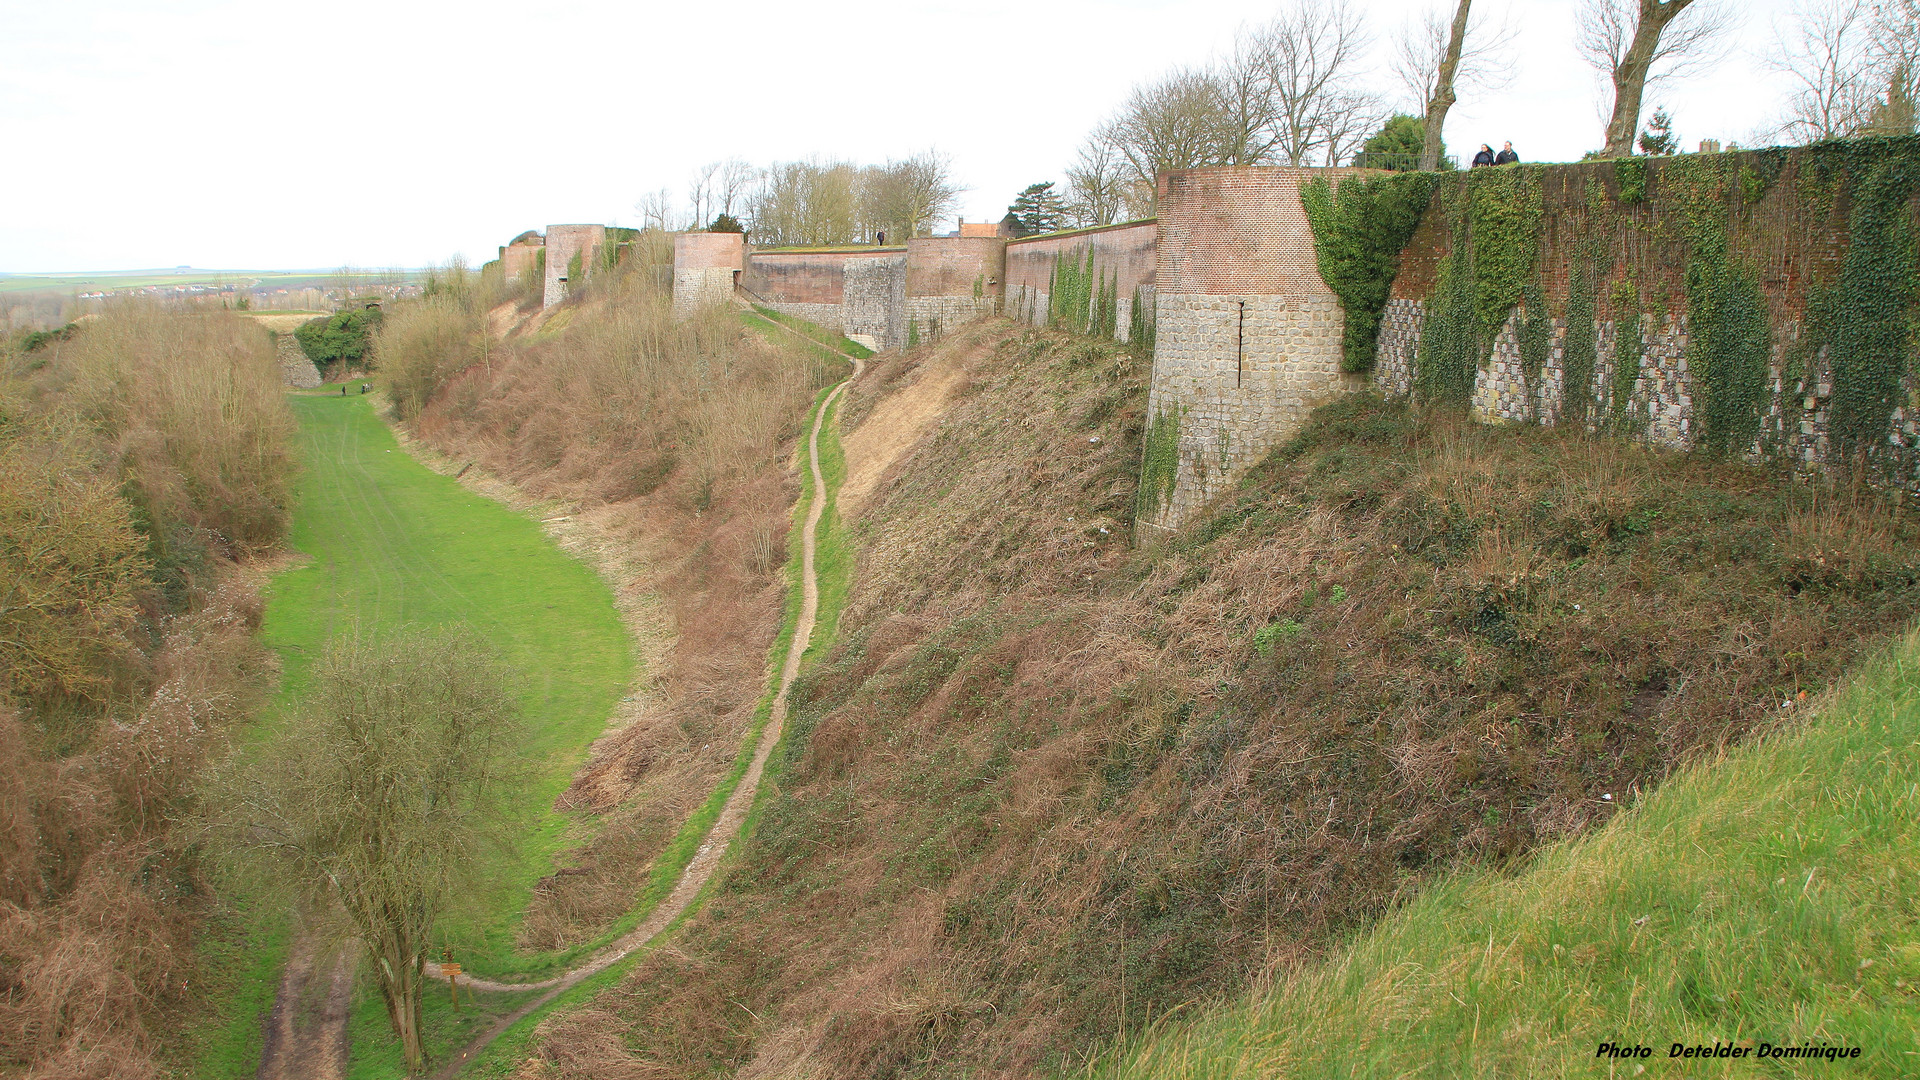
(1047, 786)
(674, 439)
(139, 460)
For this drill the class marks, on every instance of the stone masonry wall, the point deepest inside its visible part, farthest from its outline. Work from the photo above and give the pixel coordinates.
(563, 243)
(874, 301)
(928, 317)
(695, 288)
(1249, 336)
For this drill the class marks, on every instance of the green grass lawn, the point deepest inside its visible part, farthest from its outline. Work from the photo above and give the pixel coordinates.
(833, 339)
(1769, 897)
(390, 543)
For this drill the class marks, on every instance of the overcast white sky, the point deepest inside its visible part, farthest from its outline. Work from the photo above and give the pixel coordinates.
(226, 134)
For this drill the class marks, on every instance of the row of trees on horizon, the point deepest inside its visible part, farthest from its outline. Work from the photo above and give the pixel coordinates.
(1303, 89)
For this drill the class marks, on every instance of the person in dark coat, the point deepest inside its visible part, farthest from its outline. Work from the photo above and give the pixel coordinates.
(1506, 156)
(1484, 157)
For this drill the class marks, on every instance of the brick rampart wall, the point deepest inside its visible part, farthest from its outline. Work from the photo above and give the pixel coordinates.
(519, 260)
(705, 267)
(956, 266)
(1129, 252)
(563, 242)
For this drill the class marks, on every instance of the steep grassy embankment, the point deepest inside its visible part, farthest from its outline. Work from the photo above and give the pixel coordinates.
(1761, 897)
(1047, 787)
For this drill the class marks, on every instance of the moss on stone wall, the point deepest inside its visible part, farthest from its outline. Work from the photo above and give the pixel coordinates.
(1159, 463)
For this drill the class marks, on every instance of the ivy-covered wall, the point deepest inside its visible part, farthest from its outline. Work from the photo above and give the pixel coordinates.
(1096, 281)
(1759, 304)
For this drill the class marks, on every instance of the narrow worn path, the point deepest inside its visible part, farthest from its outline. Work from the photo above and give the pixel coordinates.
(306, 1036)
(705, 861)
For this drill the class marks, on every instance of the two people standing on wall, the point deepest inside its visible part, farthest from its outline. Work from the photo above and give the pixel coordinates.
(1486, 156)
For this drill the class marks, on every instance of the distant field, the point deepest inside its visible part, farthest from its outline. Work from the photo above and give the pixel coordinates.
(286, 279)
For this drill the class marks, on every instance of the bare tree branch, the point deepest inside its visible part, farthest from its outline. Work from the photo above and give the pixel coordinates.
(1641, 43)
(1436, 58)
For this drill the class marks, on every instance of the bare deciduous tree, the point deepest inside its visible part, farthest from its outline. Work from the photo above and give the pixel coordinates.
(701, 193)
(809, 202)
(1095, 187)
(1290, 91)
(1824, 55)
(1639, 43)
(906, 198)
(382, 799)
(1176, 122)
(1316, 48)
(1436, 57)
(656, 210)
(736, 179)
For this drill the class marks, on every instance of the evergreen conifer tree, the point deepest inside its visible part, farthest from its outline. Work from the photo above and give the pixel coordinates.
(1039, 209)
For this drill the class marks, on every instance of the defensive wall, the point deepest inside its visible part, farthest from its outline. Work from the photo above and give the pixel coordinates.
(1247, 335)
(1755, 304)
(1752, 304)
(882, 297)
(706, 268)
(858, 291)
(570, 248)
(1116, 261)
(521, 260)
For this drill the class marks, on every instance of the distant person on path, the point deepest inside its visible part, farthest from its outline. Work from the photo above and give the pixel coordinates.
(1484, 157)
(1506, 156)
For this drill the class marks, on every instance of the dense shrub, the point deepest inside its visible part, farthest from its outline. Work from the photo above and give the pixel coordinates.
(426, 343)
(138, 455)
(343, 338)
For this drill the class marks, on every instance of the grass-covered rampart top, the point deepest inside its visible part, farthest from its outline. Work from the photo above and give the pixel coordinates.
(1744, 244)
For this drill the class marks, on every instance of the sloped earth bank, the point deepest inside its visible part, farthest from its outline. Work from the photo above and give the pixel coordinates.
(1047, 787)
(720, 838)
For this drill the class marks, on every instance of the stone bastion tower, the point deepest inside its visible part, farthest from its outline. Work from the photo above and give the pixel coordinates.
(1248, 337)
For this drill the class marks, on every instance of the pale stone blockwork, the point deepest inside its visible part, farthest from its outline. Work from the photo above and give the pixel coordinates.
(932, 316)
(698, 286)
(1242, 386)
(875, 304)
(1398, 346)
(1659, 408)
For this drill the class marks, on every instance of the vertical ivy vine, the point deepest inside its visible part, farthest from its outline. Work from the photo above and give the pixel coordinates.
(1871, 331)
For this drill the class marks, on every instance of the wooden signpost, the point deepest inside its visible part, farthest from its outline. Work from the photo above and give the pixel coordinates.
(452, 972)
